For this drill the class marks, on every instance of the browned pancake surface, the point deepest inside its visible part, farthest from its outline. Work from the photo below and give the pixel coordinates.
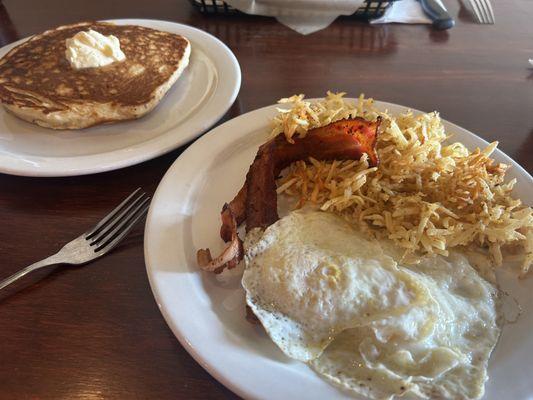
(39, 66)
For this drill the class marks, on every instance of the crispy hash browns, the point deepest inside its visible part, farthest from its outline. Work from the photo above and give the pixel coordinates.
(425, 195)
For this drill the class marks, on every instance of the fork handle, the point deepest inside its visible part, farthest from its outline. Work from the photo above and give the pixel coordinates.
(52, 260)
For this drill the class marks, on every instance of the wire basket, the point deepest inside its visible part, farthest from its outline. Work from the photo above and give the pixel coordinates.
(370, 9)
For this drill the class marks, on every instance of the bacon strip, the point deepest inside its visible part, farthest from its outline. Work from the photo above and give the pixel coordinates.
(256, 202)
(345, 139)
(237, 208)
(230, 257)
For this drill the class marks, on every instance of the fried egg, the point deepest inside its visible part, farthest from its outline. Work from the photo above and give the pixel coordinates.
(310, 276)
(331, 297)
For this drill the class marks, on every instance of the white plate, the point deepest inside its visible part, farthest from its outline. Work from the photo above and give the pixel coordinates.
(207, 314)
(199, 98)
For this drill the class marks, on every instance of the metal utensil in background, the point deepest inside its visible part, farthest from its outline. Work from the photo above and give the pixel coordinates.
(438, 14)
(482, 10)
(96, 242)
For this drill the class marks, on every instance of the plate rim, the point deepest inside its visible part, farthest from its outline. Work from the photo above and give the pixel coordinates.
(215, 371)
(90, 164)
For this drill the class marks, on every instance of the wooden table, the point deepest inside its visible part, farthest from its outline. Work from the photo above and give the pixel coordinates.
(95, 332)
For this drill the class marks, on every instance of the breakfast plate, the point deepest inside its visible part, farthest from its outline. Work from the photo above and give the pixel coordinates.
(206, 311)
(200, 97)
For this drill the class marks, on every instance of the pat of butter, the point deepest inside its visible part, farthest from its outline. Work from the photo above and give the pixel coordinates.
(92, 49)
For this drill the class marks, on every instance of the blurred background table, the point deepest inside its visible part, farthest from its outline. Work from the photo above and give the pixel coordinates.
(95, 332)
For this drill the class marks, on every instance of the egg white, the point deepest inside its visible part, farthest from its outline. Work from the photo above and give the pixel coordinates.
(310, 276)
(439, 350)
(330, 296)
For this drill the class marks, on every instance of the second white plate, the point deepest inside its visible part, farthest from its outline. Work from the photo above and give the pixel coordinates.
(199, 98)
(206, 313)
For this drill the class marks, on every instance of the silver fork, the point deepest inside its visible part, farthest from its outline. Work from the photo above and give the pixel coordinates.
(483, 11)
(97, 241)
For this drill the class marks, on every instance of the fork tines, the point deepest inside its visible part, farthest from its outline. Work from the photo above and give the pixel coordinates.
(483, 11)
(114, 226)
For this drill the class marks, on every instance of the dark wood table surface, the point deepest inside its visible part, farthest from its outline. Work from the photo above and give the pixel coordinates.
(95, 332)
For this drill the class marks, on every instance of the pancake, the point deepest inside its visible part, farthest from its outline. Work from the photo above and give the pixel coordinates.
(38, 84)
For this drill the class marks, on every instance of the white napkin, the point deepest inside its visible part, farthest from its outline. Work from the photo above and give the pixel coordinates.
(405, 12)
(308, 16)
(304, 16)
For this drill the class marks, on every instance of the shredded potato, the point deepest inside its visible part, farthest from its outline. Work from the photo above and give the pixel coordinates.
(425, 195)
(304, 115)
